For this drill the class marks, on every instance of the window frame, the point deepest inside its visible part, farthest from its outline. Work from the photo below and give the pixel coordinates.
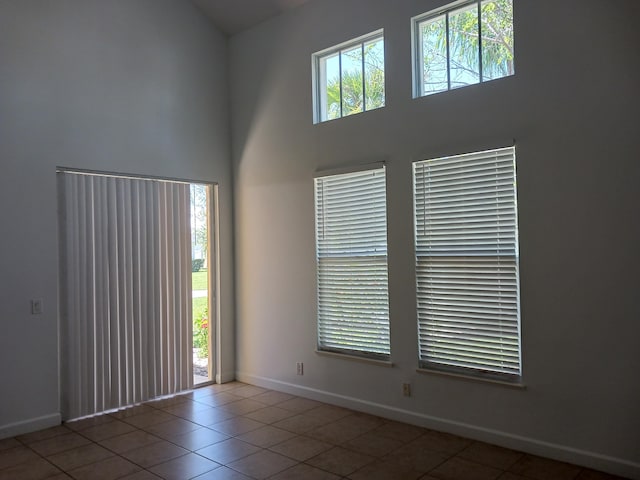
(319, 116)
(486, 373)
(417, 54)
(337, 175)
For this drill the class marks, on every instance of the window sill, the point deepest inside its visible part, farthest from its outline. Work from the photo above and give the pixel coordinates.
(515, 385)
(343, 356)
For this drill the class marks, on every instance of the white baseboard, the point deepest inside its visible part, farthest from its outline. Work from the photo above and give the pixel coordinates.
(605, 463)
(31, 425)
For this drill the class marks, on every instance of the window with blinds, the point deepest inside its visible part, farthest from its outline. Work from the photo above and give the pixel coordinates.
(351, 253)
(466, 245)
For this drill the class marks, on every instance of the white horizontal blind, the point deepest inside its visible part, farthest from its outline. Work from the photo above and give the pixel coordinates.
(126, 330)
(351, 252)
(466, 242)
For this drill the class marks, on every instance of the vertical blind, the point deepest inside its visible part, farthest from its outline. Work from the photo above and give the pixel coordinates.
(126, 333)
(466, 244)
(351, 253)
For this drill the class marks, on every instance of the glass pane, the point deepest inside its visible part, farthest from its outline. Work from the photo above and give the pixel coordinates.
(497, 39)
(464, 47)
(434, 55)
(329, 84)
(200, 283)
(352, 98)
(374, 74)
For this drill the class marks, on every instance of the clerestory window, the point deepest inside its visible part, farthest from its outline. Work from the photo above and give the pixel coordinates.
(462, 44)
(349, 78)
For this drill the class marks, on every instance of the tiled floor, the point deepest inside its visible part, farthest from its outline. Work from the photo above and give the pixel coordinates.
(237, 431)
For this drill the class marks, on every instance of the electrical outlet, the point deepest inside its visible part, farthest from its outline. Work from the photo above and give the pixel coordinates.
(406, 389)
(37, 307)
(300, 368)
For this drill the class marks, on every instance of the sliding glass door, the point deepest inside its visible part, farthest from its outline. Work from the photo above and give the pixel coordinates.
(129, 290)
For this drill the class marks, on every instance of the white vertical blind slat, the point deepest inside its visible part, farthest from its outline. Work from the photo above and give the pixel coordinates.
(351, 250)
(126, 322)
(466, 243)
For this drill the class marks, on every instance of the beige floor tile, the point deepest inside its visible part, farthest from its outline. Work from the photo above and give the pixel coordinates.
(78, 457)
(43, 434)
(328, 413)
(374, 445)
(299, 424)
(262, 464)
(511, 476)
(228, 451)
(587, 474)
(261, 433)
(78, 425)
(7, 443)
(108, 469)
(35, 469)
(236, 426)
(107, 430)
(490, 455)
(222, 473)
(357, 422)
(168, 402)
(380, 470)
(225, 387)
(304, 472)
(461, 469)
(145, 420)
(209, 416)
(249, 391)
(154, 454)
(187, 466)
(398, 431)
(211, 390)
(340, 461)
(417, 457)
(442, 442)
(200, 438)
(270, 414)
(172, 428)
(201, 392)
(132, 411)
(242, 407)
(186, 409)
(272, 397)
(266, 436)
(299, 404)
(16, 455)
(142, 475)
(129, 441)
(544, 469)
(301, 448)
(59, 444)
(219, 399)
(337, 433)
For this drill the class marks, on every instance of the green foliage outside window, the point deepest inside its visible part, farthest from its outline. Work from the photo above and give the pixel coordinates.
(361, 90)
(201, 332)
(467, 47)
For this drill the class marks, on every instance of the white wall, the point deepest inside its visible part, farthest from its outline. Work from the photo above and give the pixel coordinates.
(125, 86)
(572, 108)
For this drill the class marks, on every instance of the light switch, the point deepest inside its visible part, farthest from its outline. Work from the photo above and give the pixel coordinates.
(37, 306)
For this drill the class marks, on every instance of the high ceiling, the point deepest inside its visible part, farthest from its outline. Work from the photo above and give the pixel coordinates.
(233, 16)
